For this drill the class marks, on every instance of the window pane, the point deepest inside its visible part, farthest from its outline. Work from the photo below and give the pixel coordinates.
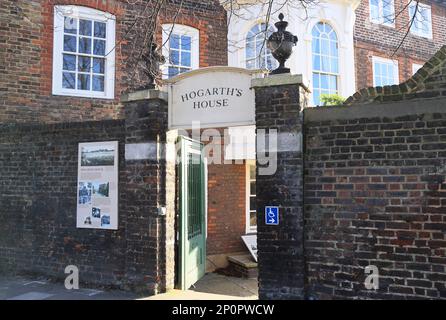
(69, 62)
(374, 10)
(85, 27)
(98, 65)
(316, 80)
(325, 65)
(253, 188)
(324, 81)
(186, 43)
(252, 219)
(251, 64)
(83, 82)
(252, 203)
(250, 50)
(333, 84)
(333, 48)
(175, 41)
(68, 80)
(98, 83)
(99, 29)
(69, 43)
(334, 65)
(173, 71)
(183, 70)
(70, 25)
(316, 97)
(317, 62)
(186, 59)
(252, 172)
(84, 64)
(85, 45)
(174, 57)
(99, 47)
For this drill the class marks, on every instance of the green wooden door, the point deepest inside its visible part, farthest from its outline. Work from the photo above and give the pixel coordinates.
(192, 213)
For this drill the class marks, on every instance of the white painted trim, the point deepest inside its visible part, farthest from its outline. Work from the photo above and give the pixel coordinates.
(109, 77)
(416, 67)
(425, 7)
(248, 228)
(167, 30)
(396, 77)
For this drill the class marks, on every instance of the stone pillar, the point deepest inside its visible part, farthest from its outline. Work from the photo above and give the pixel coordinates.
(279, 103)
(148, 208)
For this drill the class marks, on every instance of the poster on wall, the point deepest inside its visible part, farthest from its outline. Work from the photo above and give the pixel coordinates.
(97, 187)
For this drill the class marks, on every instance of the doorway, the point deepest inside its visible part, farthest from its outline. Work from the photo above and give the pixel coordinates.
(192, 213)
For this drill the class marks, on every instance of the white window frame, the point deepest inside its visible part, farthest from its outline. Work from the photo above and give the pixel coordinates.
(78, 12)
(322, 54)
(416, 67)
(415, 31)
(168, 30)
(249, 229)
(381, 13)
(386, 61)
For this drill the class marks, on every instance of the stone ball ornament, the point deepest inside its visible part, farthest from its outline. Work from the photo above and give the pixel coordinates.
(281, 44)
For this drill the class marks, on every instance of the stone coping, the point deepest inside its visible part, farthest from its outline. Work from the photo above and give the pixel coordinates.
(281, 80)
(386, 110)
(147, 94)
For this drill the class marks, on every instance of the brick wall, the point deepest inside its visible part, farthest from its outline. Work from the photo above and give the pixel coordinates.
(26, 41)
(226, 208)
(280, 248)
(372, 39)
(38, 189)
(38, 175)
(375, 195)
(226, 202)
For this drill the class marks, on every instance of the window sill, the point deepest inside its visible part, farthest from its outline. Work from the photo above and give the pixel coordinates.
(388, 25)
(83, 95)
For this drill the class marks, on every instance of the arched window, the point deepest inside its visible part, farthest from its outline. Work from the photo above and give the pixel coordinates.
(325, 54)
(258, 56)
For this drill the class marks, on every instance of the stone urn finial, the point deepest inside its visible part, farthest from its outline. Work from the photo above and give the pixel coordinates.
(281, 44)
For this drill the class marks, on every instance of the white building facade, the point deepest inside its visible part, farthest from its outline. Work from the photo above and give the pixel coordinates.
(324, 54)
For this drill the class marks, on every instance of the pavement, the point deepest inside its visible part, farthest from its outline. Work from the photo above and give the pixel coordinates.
(211, 287)
(215, 286)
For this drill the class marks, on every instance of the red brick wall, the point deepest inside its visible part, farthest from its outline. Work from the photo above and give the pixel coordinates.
(210, 20)
(226, 204)
(26, 41)
(226, 208)
(378, 40)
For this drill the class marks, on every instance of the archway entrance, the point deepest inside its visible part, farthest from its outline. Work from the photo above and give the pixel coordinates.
(211, 106)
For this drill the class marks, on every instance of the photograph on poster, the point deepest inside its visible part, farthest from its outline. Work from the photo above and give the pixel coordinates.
(92, 156)
(101, 189)
(98, 181)
(96, 212)
(85, 193)
(105, 220)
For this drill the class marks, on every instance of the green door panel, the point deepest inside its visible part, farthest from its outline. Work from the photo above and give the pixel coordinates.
(192, 172)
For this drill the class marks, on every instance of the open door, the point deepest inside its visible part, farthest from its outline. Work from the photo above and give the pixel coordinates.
(192, 240)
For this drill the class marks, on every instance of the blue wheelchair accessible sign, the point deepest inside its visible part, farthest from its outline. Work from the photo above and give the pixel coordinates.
(272, 215)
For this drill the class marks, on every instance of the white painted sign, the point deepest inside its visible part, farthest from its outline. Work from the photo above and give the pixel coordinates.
(251, 242)
(97, 187)
(214, 97)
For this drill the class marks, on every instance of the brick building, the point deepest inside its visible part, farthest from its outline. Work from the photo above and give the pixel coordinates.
(377, 38)
(45, 76)
(31, 54)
